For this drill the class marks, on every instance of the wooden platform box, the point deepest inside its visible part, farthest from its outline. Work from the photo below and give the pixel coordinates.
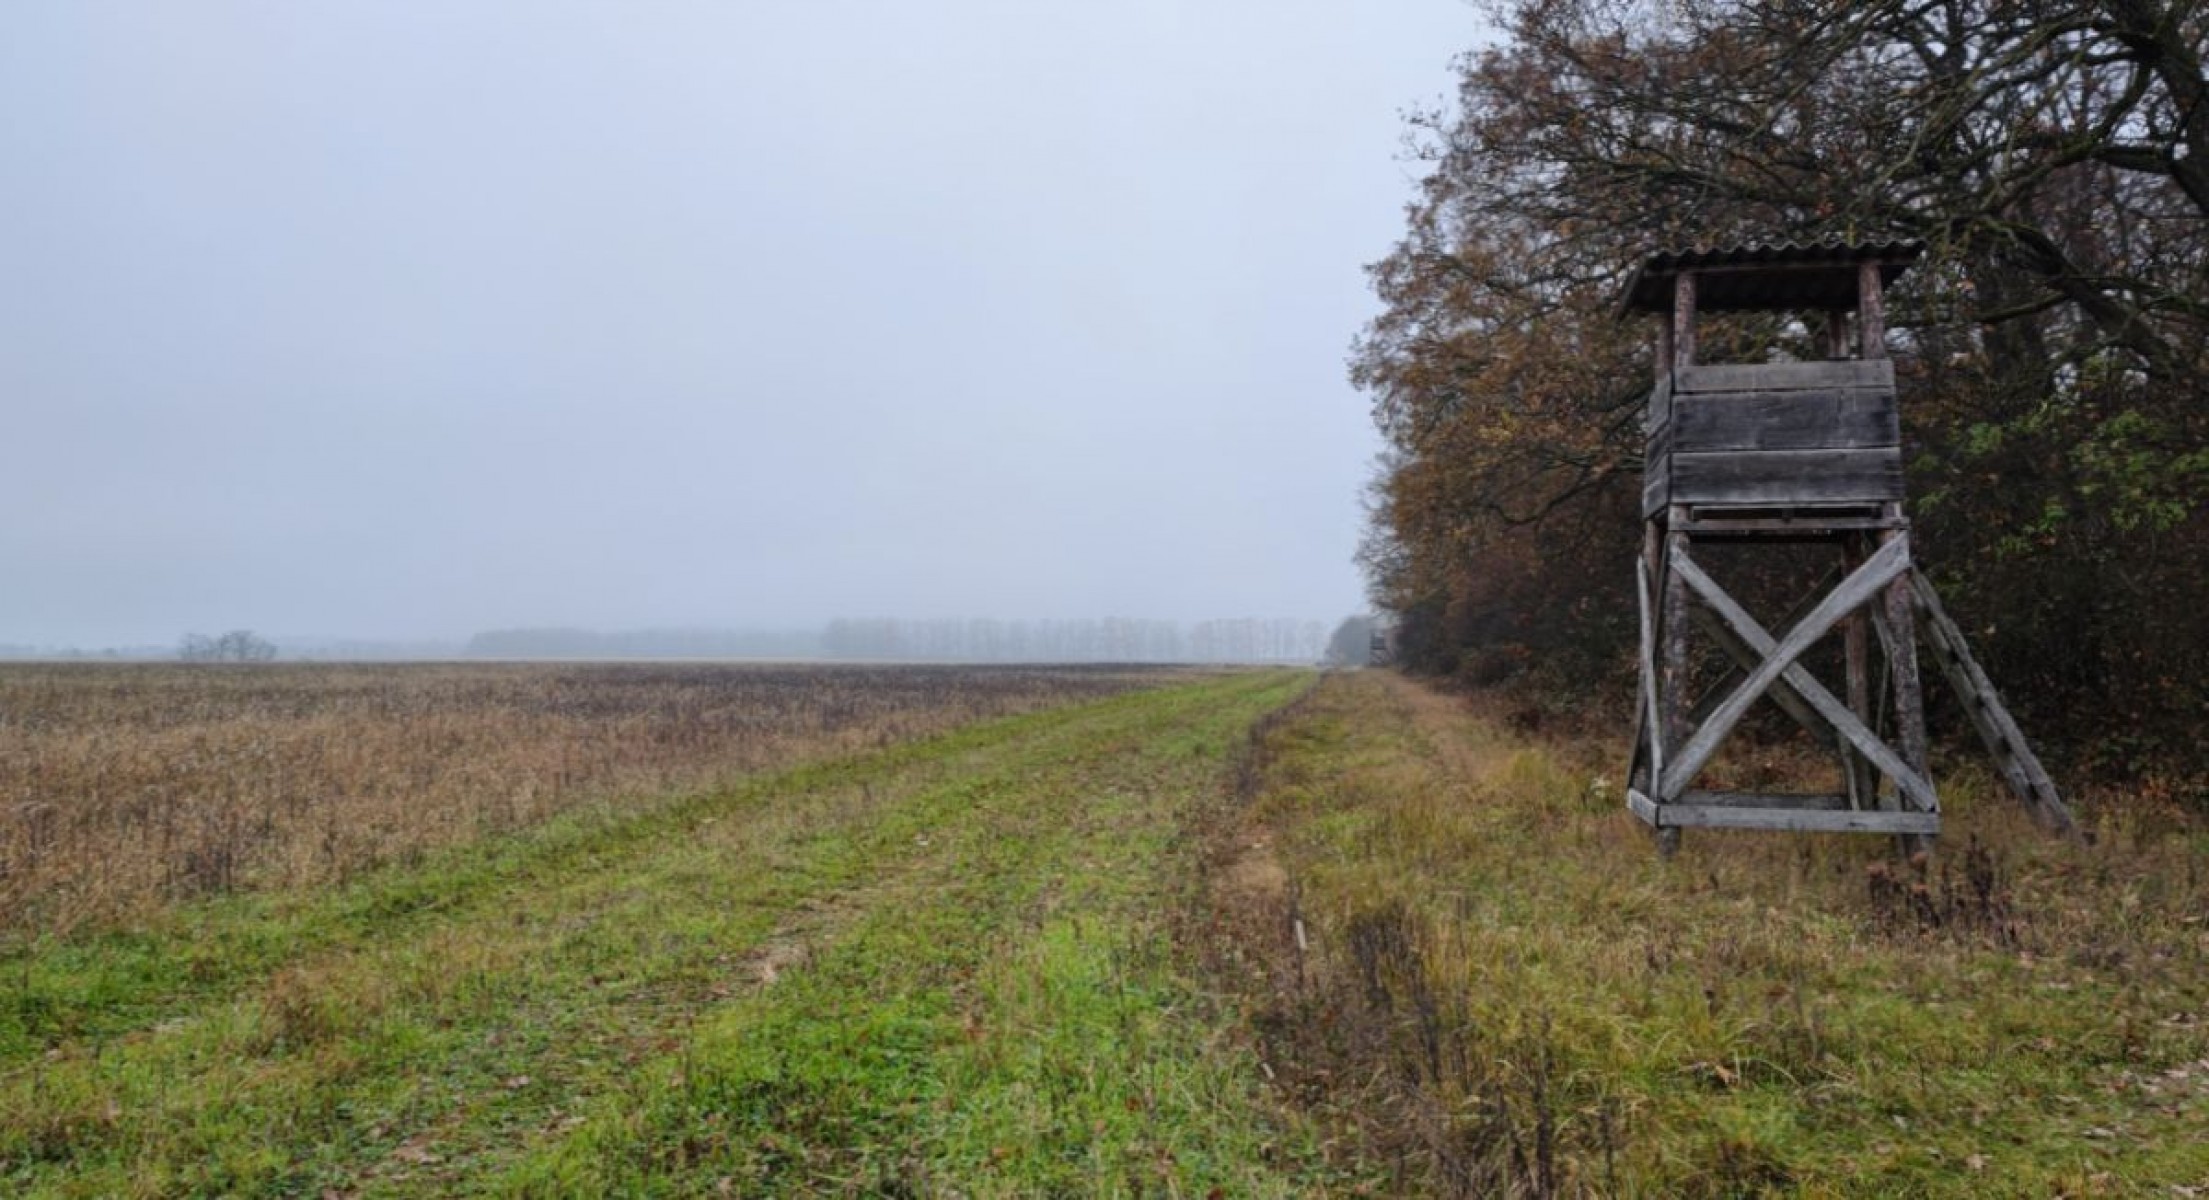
(1762, 434)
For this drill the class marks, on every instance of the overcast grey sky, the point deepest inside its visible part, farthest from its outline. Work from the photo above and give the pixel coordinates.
(410, 319)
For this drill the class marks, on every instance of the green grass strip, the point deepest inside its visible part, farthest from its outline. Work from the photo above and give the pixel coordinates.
(106, 984)
(468, 1025)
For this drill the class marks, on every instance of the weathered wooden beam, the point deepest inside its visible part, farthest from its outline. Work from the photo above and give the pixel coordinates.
(2005, 741)
(1656, 486)
(1886, 637)
(1856, 665)
(1672, 623)
(1642, 806)
(1726, 682)
(1844, 269)
(1783, 376)
(1647, 726)
(1902, 666)
(1858, 733)
(1859, 588)
(1785, 816)
(1683, 321)
(1871, 313)
(1771, 477)
(1646, 761)
(1783, 691)
(1836, 334)
(1672, 626)
(1819, 419)
(1782, 525)
(1778, 660)
(1790, 820)
(1822, 801)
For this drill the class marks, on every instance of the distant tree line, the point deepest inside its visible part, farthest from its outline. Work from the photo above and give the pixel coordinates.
(1109, 639)
(16, 651)
(238, 645)
(1351, 644)
(2052, 346)
(644, 643)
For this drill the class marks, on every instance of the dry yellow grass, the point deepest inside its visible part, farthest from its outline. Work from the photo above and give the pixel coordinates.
(1464, 952)
(126, 787)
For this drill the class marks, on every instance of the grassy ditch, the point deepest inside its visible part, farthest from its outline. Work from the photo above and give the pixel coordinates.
(1468, 962)
(946, 967)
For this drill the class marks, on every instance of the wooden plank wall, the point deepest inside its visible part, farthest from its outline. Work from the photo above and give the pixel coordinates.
(1775, 434)
(1656, 472)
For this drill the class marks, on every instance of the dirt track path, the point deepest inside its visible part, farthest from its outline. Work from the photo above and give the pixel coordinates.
(943, 966)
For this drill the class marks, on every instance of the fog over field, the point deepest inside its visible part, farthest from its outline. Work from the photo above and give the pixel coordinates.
(412, 321)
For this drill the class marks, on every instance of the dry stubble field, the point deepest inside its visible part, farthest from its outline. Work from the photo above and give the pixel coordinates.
(125, 788)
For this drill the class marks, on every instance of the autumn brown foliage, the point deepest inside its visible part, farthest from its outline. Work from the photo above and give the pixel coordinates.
(2054, 157)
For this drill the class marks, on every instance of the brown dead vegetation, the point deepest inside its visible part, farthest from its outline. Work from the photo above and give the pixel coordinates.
(1468, 964)
(124, 788)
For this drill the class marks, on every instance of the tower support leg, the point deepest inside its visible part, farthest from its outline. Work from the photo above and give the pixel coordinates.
(1672, 714)
(1858, 779)
(1902, 672)
(1983, 706)
(1647, 759)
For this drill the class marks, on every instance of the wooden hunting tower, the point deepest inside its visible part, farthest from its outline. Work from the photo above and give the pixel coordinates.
(1765, 453)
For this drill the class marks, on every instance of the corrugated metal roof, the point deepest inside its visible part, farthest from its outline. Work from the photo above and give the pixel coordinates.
(1766, 275)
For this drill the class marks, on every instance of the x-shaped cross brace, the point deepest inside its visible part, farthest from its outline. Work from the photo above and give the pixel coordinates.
(1779, 661)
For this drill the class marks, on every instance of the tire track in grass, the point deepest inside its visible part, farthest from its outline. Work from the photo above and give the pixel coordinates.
(84, 991)
(423, 1054)
(1008, 1019)
(368, 1048)
(451, 973)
